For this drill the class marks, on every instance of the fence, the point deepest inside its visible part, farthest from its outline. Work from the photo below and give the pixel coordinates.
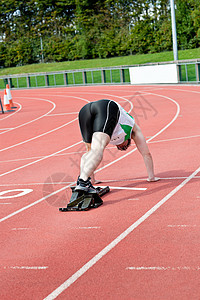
(115, 75)
(188, 72)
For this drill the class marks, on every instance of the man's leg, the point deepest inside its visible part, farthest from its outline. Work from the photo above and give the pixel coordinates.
(88, 148)
(91, 159)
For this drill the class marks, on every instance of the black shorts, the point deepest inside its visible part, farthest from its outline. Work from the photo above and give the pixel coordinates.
(98, 116)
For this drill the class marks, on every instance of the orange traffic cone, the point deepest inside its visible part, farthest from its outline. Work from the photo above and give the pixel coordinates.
(7, 106)
(9, 96)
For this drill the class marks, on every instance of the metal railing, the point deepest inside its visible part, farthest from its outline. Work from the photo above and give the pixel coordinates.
(188, 72)
(114, 75)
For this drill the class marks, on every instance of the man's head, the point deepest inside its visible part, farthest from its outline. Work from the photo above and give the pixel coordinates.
(124, 145)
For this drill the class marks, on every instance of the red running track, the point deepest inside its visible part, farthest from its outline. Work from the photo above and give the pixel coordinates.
(143, 243)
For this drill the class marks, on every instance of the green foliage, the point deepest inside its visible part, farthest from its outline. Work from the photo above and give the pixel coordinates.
(85, 29)
(18, 53)
(99, 63)
(186, 20)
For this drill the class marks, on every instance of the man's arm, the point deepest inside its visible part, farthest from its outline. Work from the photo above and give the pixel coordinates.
(141, 145)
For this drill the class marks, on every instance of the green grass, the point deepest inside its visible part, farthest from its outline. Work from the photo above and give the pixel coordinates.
(98, 63)
(188, 72)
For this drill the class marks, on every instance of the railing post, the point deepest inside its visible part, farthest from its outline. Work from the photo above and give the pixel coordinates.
(92, 77)
(186, 72)
(122, 77)
(5, 80)
(10, 82)
(111, 79)
(73, 78)
(65, 78)
(46, 77)
(36, 81)
(179, 73)
(84, 77)
(197, 65)
(28, 82)
(103, 76)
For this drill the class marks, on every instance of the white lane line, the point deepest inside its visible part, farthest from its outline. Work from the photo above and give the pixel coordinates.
(182, 226)
(63, 114)
(19, 229)
(5, 203)
(34, 203)
(133, 199)
(27, 267)
(161, 268)
(101, 181)
(11, 115)
(118, 97)
(116, 241)
(114, 90)
(38, 99)
(125, 188)
(189, 91)
(94, 227)
(31, 163)
(6, 128)
(37, 183)
(41, 156)
(176, 139)
(142, 179)
(38, 136)
(108, 148)
(47, 132)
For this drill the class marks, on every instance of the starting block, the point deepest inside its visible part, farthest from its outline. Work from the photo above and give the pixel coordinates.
(84, 201)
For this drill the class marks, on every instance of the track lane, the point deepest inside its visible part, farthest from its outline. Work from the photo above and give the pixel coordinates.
(28, 104)
(66, 237)
(45, 170)
(145, 251)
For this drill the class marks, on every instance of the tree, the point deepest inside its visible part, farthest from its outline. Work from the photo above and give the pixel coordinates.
(79, 29)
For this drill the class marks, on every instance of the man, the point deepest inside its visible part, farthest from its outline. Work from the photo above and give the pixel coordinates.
(103, 122)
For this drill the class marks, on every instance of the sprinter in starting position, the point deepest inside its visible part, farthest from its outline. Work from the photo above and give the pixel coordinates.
(103, 122)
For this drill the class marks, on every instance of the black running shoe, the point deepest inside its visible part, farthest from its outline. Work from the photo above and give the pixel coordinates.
(85, 186)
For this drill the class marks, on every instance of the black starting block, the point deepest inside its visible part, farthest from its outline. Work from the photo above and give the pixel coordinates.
(84, 201)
